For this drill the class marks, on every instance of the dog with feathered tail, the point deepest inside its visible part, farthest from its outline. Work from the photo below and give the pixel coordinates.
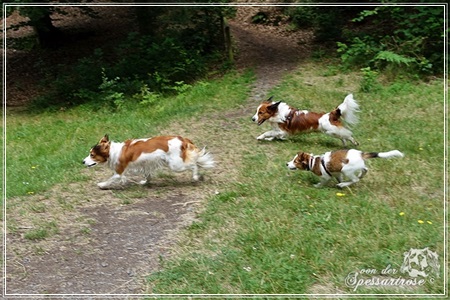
(340, 164)
(287, 120)
(146, 156)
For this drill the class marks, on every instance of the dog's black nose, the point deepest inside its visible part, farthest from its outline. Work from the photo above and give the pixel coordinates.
(82, 162)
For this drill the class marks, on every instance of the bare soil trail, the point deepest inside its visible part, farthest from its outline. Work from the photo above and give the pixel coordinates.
(111, 240)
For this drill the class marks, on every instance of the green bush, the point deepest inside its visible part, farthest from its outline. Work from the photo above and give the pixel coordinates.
(179, 47)
(157, 63)
(396, 39)
(392, 38)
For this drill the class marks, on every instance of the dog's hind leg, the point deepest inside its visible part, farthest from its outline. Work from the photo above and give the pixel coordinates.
(147, 180)
(363, 173)
(354, 142)
(353, 179)
(195, 175)
(342, 133)
(351, 139)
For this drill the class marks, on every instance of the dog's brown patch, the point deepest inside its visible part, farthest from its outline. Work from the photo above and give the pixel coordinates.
(134, 148)
(337, 160)
(316, 166)
(187, 149)
(298, 121)
(335, 116)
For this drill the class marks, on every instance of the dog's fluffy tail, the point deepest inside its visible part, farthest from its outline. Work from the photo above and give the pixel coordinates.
(348, 110)
(389, 154)
(205, 159)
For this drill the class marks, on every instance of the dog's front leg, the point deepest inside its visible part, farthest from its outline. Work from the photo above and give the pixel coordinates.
(111, 182)
(272, 134)
(320, 184)
(323, 180)
(265, 136)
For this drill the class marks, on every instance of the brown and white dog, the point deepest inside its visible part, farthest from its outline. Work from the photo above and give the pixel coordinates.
(286, 120)
(145, 156)
(340, 163)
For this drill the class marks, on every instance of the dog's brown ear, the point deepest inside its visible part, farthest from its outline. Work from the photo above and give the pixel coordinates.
(274, 106)
(304, 160)
(105, 139)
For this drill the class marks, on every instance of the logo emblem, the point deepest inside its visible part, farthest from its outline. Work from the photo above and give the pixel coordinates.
(420, 263)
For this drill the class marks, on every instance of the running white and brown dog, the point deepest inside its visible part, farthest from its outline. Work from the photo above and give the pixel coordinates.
(286, 120)
(146, 156)
(338, 164)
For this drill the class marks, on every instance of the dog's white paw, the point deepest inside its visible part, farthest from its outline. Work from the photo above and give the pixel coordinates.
(103, 185)
(343, 184)
(198, 178)
(262, 138)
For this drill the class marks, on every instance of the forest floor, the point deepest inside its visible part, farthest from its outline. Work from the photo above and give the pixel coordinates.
(126, 242)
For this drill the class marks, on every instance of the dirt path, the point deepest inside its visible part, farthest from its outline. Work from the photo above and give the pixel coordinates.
(270, 50)
(111, 240)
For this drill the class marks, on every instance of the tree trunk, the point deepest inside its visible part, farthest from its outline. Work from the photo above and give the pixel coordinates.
(40, 20)
(146, 18)
(47, 34)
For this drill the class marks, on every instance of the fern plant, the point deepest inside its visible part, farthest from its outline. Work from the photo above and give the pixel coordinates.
(391, 57)
(397, 39)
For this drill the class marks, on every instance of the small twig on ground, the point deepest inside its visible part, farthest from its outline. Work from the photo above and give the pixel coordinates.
(186, 203)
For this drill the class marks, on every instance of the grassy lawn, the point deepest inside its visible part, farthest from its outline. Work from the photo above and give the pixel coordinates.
(271, 232)
(268, 230)
(48, 148)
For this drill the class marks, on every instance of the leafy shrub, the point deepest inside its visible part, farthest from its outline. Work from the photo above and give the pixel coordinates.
(328, 22)
(392, 38)
(157, 63)
(369, 81)
(178, 47)
(397, 38)
(302, 16)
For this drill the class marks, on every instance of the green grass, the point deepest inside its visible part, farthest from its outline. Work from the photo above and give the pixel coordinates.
(47, 148)
(268, 230)
(272, 232)
(45, 230)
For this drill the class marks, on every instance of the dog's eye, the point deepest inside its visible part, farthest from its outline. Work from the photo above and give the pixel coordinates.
(92, 155)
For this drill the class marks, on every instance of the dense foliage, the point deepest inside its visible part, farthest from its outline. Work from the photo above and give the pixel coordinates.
(158, 59)
(405, 38)
(167, 47)
(170, 46)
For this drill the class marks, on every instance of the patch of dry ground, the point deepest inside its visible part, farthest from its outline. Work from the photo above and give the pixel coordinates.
(107, 242)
